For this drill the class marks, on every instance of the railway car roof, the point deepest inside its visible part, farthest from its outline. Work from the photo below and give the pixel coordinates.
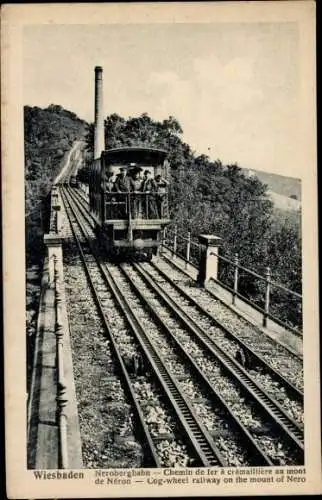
(139, 155)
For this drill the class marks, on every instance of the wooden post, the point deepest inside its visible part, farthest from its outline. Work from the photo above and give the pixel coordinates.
(188, 249)
(174, 251)
(267, 295)
(236, 267)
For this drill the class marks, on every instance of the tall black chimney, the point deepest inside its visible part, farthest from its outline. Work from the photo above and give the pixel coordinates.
(99, 140)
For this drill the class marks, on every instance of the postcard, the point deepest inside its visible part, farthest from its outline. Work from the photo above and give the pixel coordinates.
(160, 249)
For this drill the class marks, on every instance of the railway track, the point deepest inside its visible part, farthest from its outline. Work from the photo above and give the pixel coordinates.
(184, 425)
(280, 363)
(266, 347)
(277, 386)
(236, 438)
(276, 420)
(184, 331)
(198, 303)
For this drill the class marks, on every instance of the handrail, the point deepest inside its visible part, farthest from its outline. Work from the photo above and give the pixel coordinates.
(240, 266)
(140, 204)
(170, 240)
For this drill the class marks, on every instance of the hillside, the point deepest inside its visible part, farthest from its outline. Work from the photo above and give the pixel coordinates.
(48, 135)
(283, 202)
(279, 184)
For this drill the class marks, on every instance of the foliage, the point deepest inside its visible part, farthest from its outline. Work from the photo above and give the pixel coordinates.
(143, 131)
(48, 134)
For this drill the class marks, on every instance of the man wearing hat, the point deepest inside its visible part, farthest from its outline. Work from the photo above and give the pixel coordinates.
(161, 188)
(109, 182)
(122, 183)
(149, 187)
(135, 179)
(136, 187)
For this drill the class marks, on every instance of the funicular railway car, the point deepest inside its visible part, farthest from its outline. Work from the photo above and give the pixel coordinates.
(129, 198)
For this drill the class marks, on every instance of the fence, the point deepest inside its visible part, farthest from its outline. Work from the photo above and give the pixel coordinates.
(273, 300)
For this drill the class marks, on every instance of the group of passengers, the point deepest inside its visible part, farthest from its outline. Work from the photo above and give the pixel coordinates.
(131, 180)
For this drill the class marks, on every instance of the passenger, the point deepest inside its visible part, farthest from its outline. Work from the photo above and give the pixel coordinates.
(149, 188)
(135, 187)
(148, 184)
(122, 185)
(111, 210)
(122, 182)
(110, 181)
(136, 180)
(161, 188)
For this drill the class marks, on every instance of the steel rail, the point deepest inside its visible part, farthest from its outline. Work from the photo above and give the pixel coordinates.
(151, 452)
(268, 407)
(264, 459)
(259, 454)
(294, 391)
(199, 438)
(228, 363)
(227, 306)
(297, 394)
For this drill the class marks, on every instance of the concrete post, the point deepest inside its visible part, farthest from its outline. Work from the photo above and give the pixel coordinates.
(208, 264)
(54, 245)
(56, 208)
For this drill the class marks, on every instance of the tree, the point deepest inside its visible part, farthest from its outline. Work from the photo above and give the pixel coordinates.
(48, 135)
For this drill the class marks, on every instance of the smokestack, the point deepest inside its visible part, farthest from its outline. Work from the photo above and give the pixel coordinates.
(99, 140)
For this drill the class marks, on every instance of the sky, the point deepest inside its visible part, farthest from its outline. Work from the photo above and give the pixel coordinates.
(233, 87)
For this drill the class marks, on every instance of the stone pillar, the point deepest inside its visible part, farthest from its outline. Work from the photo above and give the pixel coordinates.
(54, 245)
(99, 137)
(208, 264)
(56, 208)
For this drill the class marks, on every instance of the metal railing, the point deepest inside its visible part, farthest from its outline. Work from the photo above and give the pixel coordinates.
(139, 205)
(61, 398)
(236, 278)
